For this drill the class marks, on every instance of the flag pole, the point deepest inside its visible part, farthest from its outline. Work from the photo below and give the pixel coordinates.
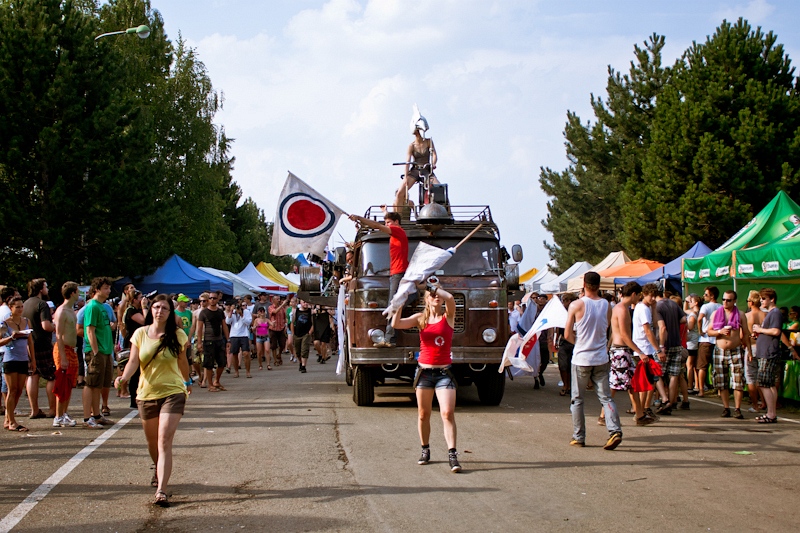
(468, 237)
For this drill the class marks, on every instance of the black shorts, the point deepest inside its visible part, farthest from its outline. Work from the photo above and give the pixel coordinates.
(323, 336)
(240, 344)
(15, 367)
(214, 353)
(277, 340)
(45, 365)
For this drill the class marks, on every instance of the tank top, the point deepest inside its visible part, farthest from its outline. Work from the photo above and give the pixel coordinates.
(423, 157)
(262, 329)
(16, 350)
(591, 334)
(435, 342)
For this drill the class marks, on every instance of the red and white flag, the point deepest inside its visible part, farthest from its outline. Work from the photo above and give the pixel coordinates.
(518, 349)
(304, 221)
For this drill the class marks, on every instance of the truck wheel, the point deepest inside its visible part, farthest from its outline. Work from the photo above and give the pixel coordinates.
(491, 385)
(348, 370)
(363, 386)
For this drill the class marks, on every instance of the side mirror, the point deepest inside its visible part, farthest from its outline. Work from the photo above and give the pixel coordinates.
(516, 253)
(341, 255)
(512, 277)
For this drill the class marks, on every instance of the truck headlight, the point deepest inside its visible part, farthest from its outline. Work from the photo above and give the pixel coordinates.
(489, 335)
(376, 336)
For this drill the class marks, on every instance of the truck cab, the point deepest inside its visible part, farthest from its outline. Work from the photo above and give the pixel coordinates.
(480, 278)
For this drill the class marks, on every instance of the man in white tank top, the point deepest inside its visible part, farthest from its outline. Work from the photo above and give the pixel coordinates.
(587, 325)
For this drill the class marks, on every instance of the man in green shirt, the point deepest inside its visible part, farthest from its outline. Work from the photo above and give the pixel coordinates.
(98, 349)
(185, 318)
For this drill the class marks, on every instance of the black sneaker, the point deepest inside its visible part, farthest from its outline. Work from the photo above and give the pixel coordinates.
(726, 413)
(425, 458)
(737, 414)
(536, 383)
(665, 409)
(454, 466)
(541, 380)
(685, 406)
(303, 369)
(649, 412)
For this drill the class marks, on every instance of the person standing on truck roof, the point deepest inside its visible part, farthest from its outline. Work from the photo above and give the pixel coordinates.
(398, 256)
(433, 373)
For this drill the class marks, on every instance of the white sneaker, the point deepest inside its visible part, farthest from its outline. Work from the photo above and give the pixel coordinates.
(92, 424)
(103, 421)
(67, 421)
(753, 410)
(57, 422)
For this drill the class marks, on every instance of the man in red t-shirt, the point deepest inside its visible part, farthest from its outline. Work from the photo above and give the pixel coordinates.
(398, 258)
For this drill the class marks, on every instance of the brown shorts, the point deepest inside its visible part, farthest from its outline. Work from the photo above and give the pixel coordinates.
(98, 370)
(277, 340)
(705, 354)
(174, 404)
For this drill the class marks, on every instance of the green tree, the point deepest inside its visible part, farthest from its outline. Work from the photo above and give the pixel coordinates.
(584, 215)
(725, 139)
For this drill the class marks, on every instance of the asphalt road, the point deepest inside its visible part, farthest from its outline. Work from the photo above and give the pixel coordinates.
(287, 451)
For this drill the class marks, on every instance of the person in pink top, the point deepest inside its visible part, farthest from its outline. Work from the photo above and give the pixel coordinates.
(433, 374)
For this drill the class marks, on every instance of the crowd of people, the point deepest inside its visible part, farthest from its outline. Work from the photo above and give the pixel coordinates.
(661, 349)
(150, 348)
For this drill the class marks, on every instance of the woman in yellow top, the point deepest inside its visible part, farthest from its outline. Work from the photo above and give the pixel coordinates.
(158, 349)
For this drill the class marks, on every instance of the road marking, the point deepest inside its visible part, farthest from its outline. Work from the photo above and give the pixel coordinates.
(696, 399)
(15, 516)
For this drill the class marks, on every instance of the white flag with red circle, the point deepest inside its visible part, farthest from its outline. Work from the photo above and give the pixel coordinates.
(304, 221)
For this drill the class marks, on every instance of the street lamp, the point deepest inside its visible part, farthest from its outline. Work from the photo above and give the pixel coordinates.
(142, 31)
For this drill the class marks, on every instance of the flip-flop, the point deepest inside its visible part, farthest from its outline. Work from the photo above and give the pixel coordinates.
(269, 367)
(202, 385)
(220, 387)
(261, 368)
(562, 392)
(40, 414)
(213, 389)
(154, 480)
(249, 376)
(19, 428)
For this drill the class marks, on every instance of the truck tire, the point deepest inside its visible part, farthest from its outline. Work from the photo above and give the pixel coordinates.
(491, 385)
(363, 386)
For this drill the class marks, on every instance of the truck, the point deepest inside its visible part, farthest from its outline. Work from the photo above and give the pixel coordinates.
(479, 275)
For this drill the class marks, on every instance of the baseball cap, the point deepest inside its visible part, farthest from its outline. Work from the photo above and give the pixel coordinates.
(183, 298)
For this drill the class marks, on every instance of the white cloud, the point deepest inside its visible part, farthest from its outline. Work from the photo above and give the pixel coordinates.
(755, 12)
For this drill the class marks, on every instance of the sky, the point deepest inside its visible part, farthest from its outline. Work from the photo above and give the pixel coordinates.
(325, 89)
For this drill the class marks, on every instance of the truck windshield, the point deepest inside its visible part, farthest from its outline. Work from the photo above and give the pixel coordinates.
(475, 257)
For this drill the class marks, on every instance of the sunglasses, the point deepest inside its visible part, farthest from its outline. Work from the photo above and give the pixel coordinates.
(728, 300)
(212, 298)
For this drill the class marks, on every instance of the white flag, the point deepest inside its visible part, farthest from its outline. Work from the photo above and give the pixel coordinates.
(340, 318)
(304, 221)
(519, 351)
(426, 260)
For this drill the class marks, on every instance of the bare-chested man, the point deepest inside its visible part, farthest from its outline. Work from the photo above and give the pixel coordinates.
(64, 355)
(729, 327)
(623, 349)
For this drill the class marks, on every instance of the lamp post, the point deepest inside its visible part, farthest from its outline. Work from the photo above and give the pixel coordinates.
(142, 31)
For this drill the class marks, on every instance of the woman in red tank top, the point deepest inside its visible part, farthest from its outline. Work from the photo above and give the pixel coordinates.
(433, 375)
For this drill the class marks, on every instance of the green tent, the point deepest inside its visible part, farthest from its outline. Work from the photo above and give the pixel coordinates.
(779, 259)
(771, 223)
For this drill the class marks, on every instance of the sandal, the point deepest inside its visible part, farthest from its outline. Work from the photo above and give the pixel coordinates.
(269, 367)
(601, 421)
(40, 414)
(562, 392)
(212, 388)
(154, 480)
(248, 375)
(19, 428)
(764, 419)
(105, 411)
(261, 368)
(220, 387)
(161, 499)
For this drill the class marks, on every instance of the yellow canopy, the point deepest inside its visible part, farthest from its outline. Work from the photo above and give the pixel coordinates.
(524, 278)
(270, 272)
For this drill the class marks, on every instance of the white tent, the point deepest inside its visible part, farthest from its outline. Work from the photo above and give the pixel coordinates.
(543, 276)
(240, 286)
(575, 284)
(561, 281)
(252, 276)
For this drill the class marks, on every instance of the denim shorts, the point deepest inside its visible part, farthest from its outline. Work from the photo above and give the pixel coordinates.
(435, 378)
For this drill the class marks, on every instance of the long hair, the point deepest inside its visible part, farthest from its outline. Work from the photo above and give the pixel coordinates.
(426, 313)
(169, 340)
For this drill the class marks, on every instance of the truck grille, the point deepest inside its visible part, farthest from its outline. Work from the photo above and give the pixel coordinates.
(460, 312)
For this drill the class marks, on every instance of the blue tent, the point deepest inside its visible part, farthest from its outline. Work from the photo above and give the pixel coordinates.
(176, 275)
(301, 260)
(671, 272)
